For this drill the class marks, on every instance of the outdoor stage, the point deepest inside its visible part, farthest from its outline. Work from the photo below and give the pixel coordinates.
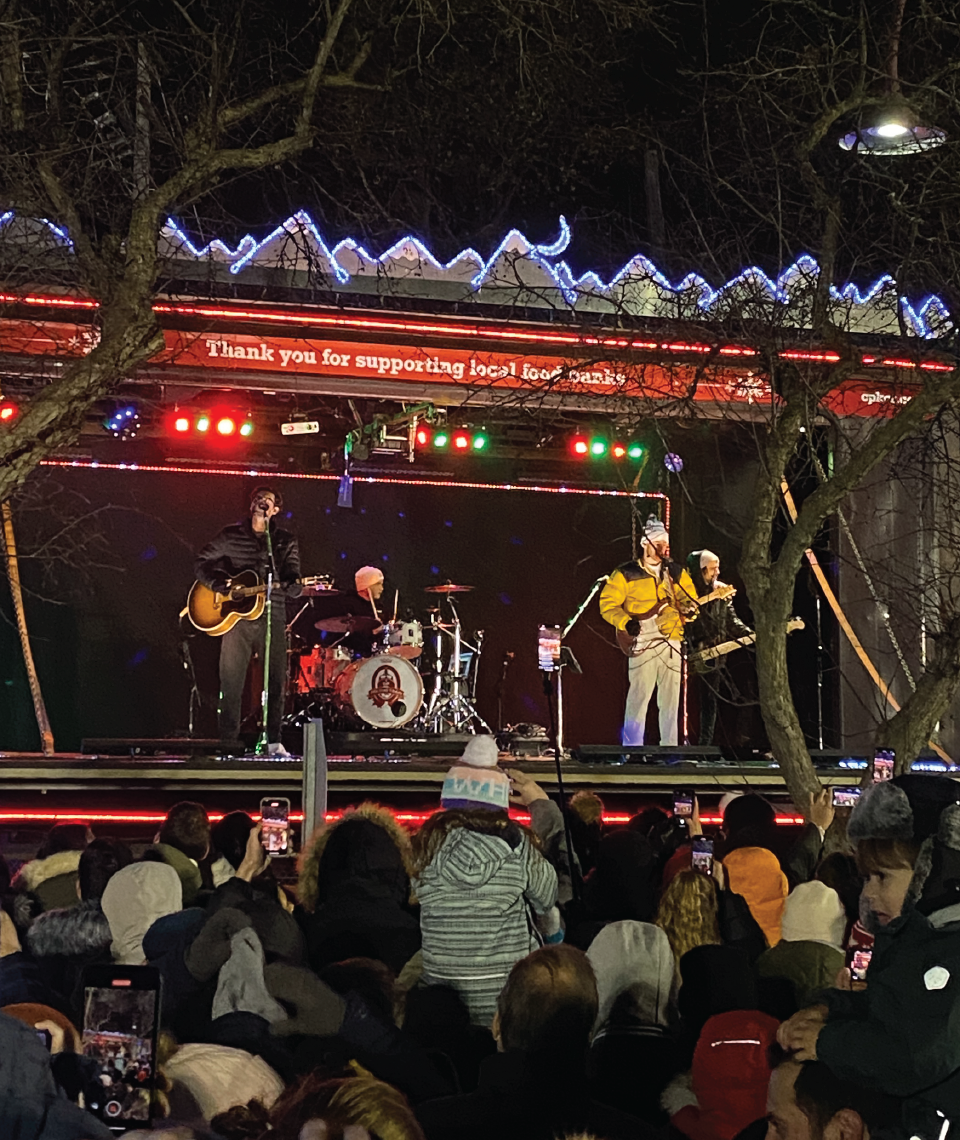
(137, 781)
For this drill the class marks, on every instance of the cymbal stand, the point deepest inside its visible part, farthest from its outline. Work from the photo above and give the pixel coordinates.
(455, 709)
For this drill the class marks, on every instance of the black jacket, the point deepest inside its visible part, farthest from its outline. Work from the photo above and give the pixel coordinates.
(716, 621)
(239, 547)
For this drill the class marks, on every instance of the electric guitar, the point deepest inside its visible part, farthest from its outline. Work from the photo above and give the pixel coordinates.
(216, 614)
(725, 647)
(634, 646)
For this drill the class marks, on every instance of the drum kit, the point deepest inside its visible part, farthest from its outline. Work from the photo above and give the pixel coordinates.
(420, 676)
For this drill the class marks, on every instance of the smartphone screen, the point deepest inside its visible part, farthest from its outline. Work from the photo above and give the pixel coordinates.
(883, 760)
(682, 806)
(548, 648)
(703, 855)
(121, 1015)
(845, 797)
(859, 964)
(45, 1038)
(275, 814)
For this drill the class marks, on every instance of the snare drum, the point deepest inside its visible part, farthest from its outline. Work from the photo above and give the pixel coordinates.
(321, 667)
(403, 639)
(385, 691)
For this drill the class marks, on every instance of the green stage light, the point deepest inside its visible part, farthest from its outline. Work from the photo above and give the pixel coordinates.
(441, 439)
(598, 448)
(246, 429)
(479, 441)
(635, 450)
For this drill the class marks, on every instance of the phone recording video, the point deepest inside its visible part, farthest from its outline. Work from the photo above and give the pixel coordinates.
(682, 806)
(548, 648)
(845, 797)
(121, 1015)
(46, 1038)
(883, 760)
(703, 855)
(275, 814)
(859, 964)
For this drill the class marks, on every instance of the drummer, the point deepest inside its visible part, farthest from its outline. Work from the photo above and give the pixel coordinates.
(368, 583)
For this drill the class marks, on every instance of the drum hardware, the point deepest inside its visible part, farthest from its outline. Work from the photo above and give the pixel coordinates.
(450, 707)
(347, 623)
(447, 588)
(384, 691)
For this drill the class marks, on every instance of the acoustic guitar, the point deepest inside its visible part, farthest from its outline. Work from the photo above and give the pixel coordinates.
(649, 629)
(713, 651)
(216, 614)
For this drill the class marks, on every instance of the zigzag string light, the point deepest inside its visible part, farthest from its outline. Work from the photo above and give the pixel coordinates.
(928, 319)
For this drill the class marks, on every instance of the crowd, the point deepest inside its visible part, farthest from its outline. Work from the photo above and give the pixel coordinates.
(481, 978)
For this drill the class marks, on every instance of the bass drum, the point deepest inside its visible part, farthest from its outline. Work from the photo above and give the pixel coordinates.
(383, 691)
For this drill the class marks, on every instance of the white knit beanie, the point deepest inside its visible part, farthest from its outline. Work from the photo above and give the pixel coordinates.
(814, 913)
(366, 577)
(476, 781)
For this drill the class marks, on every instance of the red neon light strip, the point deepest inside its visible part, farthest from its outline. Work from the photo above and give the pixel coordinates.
(418, 817)
(90, 464)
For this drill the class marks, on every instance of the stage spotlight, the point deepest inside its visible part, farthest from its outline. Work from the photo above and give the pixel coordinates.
(246, 429)
(181, 424)
(124, 423)
(226, 425)
(618, 451)
(635, 450)
(598, 447)
(673, 462)
(423, 437)
(479, 441)
(8, 412)
(579, 445)
(203, 423)
(461, 441)
(441, 439)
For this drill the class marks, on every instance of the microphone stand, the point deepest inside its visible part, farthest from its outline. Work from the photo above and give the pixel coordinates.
(563, 633)
(263, 743)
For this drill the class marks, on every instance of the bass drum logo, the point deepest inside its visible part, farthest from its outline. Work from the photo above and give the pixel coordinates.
(386, 687)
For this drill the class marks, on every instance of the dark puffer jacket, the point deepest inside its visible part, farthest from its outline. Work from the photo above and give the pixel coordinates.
(355, 889)
(238, 548)
(62, 943)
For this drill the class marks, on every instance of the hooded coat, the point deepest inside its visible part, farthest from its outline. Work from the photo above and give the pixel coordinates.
(53, 881)
(902, 1033)
(134, 898)
(634, 1052)
(755, 873)
(476, 895)
(354, 888)
(63, 942)
(809, 954)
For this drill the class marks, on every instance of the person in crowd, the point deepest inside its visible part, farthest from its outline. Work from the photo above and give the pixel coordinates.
(205, 1080)
(20, 979)
(547, 823)
(476, 873)
(51, 877)
(585, 815)
(688, 913)
(436, 1018)
(898, 1034)
(804, 856)
(840, 871)
(810, 951)
(726, 1089)
(634, 1054)
(66, 940)
(133, 900)
(535, 1086)
(750, 867)
(623, 885)
(229, 837)
(184, 843)
(354, 891)
(713, 980)
(809, 1101)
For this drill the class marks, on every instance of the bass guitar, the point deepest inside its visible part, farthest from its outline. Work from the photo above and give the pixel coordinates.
(634, 646)
(216, 614)
(714, 651)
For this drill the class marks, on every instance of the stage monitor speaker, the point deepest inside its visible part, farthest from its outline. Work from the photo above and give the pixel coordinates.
(647, 754)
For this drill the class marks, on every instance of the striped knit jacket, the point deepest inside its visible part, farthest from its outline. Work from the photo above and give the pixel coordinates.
(476, 898)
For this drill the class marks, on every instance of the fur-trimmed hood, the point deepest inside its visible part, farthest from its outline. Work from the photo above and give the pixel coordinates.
(31, 875)
(371, 859)
(76, 931)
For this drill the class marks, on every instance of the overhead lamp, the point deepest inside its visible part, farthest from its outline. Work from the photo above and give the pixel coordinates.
(892, 128)
(124, 423)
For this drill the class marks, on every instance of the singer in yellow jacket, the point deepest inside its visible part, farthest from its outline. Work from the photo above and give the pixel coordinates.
(629, 601)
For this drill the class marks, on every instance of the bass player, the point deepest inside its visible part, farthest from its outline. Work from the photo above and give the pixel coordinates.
(714, 625)
(649, 601)
(243, 546)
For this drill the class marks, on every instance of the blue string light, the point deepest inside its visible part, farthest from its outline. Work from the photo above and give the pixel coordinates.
(928, 319)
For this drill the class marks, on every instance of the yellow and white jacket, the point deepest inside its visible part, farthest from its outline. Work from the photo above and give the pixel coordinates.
(632, 590)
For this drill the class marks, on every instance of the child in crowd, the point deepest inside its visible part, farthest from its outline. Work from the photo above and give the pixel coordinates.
(481, 884)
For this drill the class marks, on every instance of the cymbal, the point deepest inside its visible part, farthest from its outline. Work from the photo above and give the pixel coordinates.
(447, 588)
(317, 591)
(348, 623)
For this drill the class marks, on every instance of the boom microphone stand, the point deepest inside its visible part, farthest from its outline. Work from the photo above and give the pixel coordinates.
(263, 745)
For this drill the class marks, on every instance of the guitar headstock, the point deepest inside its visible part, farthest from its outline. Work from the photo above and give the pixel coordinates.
(796, 623)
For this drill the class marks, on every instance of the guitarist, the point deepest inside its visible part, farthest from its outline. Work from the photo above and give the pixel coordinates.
(714, 624)
(650, 600)
(243, 546)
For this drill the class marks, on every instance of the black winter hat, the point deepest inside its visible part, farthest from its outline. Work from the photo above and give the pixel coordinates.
(908, 808)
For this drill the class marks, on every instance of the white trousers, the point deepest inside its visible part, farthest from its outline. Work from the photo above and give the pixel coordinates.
(658, 667)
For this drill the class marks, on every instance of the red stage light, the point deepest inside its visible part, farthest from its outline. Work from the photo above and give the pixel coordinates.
(580, 445)
(618, 451)
(423, 436)
(181, 423)
(226, 425)
(461, 440)
(8, 412)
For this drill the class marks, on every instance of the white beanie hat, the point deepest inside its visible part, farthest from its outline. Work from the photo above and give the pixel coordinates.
(655, 531)
(813, 912)
(366, 577)
(727, 799)
(476, 781)
(706, 557)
